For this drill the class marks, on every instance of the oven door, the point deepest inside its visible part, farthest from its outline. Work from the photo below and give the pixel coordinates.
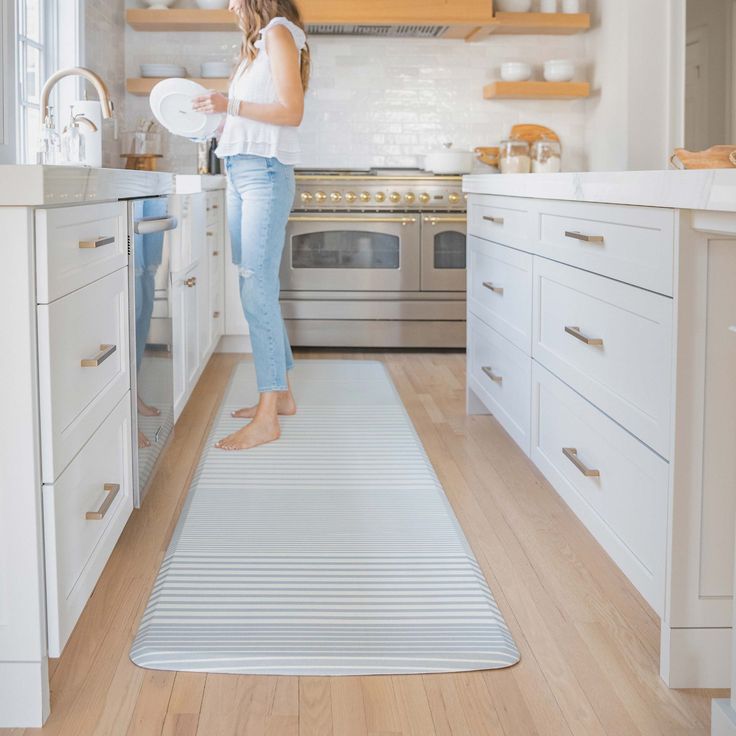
(444, 252)
(351, 252)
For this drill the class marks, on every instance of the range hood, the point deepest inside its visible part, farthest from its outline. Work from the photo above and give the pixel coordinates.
(396, 18)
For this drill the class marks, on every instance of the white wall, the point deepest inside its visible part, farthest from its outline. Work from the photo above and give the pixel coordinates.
(7, 83)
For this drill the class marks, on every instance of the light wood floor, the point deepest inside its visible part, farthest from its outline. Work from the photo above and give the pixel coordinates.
(589, 643)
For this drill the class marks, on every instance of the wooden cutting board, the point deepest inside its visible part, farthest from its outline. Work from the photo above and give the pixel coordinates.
(715, 157)
(529, 132)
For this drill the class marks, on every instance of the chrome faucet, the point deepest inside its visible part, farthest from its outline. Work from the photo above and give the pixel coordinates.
(102, 93)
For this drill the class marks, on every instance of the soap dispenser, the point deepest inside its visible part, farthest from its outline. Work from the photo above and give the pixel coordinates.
(72, 142)
(49, 145)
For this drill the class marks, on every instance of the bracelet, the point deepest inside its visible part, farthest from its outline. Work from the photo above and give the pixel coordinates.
(233, 107)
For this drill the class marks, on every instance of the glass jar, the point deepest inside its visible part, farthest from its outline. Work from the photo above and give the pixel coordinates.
(514, 157)
(546, 156)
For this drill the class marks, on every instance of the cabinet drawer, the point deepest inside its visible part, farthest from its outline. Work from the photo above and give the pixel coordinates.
(616, 485)
(500, 289)
(500, 375)
(632, 244)
(78, 245)
(609, 341)
(502, 220)
(77, 547)
(83, 366)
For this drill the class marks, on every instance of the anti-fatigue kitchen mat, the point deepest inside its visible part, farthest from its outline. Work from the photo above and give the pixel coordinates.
(331, 552)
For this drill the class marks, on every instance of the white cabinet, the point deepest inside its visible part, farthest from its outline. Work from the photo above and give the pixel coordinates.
(197, 288)
(621, 390)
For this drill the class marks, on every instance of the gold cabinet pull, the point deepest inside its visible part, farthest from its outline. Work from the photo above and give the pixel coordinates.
(215, 315)
(492, 287)
(575, 332)
(105, 352)
(210, 233)
(494, 220)
(215, 252)
(98, 242)
(575, 235)
(112, 490)
(493, 376)
(571, 454)
(215, 206)
(191, 281)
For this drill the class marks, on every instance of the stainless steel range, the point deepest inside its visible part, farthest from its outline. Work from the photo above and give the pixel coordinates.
(375, 259)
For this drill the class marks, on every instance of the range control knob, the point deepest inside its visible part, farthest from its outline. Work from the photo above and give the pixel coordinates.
(380, 197)
(320, 197)
(395, 197)
(307, 197)
(454, 198)
(424, 198)
(410, 197)
(365, 196)
(336, 196)
(351, 197)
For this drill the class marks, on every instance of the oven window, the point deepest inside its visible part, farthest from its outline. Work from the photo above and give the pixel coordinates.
(345, 249)
(449, 250)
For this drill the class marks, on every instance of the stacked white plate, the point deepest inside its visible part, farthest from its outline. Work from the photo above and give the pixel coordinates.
(215, 70)
(163, 70)
(171, 103)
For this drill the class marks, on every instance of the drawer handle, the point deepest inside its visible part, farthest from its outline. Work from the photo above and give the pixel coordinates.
(112, 490)
(215, 206)
(571, 454)
(598, 239)
(210, 233)
(495, 220)
(98, 243)
(492, 287)
(215, 252)
(105, 352)
(191, 281)
(575, 332)
(489, 372)
(215, 315)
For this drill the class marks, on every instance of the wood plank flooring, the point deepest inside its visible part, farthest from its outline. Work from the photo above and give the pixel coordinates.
(589, 643)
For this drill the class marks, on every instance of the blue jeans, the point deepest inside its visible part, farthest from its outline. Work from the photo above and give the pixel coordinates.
(260, 195)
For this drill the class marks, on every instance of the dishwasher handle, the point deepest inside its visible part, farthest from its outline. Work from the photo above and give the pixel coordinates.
(148, 225)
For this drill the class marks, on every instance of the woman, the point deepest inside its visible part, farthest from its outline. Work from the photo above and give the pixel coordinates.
(260, 145)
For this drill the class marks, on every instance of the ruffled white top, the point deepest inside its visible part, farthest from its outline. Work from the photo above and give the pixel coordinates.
(253, 82)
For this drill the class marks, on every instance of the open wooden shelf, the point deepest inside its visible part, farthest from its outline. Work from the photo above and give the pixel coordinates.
(536, 90)
(555, 24)
(180, 19)
(142, 86)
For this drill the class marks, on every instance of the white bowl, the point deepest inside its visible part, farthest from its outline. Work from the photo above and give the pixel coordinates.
(215, 69)
(163, 70)
(559, 70)
(516, 71)
(213, 4)
(159, 4)
(514, 6)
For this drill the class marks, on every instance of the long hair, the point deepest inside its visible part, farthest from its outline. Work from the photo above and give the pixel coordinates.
(254, 15)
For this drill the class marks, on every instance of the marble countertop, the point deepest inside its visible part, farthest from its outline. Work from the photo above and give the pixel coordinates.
(193, 183)
(713, 190)
(36, 186)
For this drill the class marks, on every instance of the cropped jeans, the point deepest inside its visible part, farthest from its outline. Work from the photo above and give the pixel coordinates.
(260, 194)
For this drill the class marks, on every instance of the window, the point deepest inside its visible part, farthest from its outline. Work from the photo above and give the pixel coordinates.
(43, 45)
(32, 69)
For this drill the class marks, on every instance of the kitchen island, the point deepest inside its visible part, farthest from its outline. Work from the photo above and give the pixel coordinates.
(601, 318)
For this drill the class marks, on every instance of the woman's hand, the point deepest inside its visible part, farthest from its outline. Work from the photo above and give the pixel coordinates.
(210, 103)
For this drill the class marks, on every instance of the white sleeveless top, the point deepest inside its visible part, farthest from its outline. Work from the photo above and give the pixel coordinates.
(253, 82)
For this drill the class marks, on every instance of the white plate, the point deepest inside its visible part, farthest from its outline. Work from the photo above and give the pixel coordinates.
(171, 103)
(215, 69)
(163, 70)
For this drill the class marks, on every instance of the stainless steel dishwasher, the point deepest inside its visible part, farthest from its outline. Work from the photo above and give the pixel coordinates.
(150, 227)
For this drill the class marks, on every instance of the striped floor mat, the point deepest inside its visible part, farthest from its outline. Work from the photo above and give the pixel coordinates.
(331, 552)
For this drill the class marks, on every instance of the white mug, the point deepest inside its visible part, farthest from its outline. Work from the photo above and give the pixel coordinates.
(571, 6)
(547, 6)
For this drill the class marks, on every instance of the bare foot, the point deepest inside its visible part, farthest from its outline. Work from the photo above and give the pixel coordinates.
(259, 432)
(146, 410)
(286, 407)
(143, 441)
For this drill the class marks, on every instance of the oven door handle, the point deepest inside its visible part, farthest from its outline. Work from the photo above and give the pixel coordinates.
(399, 220)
